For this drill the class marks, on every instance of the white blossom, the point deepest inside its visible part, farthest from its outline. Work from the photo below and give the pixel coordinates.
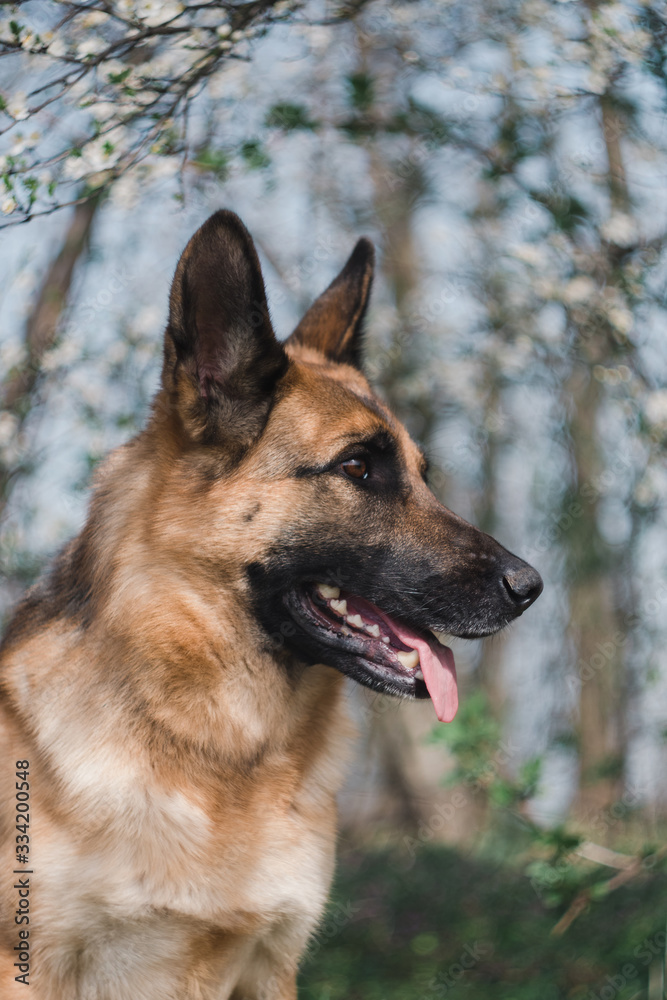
(621, 319)
(165, 166)
(11, 354)
(126, 7)
(598, 82)
(620, 228)
(91, 47)
(118, 352)
(20, 143)
(58, 48)
(126, 191)
(656, 408)
(8, 427)
(114, 67)
(96, 156)
(530, 253)
(63, 355)
(103, 111)
(17, 106)
(146, 322)
(95, 18)
(579, 289)
(156, 12)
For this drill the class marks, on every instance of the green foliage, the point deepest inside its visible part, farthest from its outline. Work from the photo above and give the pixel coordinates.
(361, 91)
(289, 117)
(567, 211)
(472, 734)
(358, 127)
(558, 839)
(126, 75)
(560, 876)
(474, 739)
(611, 766)
(120, 77)
(31, 184)
(447, 924)
(255, 155)
(421, 121)
(213, 161)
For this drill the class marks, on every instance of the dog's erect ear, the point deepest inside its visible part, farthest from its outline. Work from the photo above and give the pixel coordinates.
(333, 324)
(221, 358)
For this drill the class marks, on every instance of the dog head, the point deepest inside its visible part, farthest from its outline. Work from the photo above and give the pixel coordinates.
(317, 512)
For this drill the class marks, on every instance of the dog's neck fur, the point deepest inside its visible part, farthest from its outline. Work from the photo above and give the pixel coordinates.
(169, 620)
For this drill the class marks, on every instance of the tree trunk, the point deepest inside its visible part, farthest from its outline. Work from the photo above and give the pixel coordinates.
(593, 619)
(408, 773)
(41, 330)
(594, 616)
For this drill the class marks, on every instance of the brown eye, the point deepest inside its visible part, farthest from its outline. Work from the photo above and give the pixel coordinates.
(355, 468)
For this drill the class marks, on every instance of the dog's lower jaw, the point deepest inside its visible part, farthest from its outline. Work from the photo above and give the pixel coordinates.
(343, 648)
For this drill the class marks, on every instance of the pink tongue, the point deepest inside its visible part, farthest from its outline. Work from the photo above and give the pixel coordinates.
(438, 668)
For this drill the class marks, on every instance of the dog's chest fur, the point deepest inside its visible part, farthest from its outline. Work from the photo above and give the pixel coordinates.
(165, 681)
(161, 872)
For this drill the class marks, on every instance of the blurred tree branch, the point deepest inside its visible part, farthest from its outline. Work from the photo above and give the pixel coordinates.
(131, 74)
(41, 329)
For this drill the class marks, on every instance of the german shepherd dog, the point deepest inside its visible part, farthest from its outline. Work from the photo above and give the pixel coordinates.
(171, 693)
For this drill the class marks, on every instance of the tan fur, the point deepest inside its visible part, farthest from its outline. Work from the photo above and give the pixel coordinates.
(183, 766)
(164, 790)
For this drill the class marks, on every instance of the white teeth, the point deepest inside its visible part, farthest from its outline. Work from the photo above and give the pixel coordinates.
(409, 660)
(373, 630)
(419, 675)
(340, 607)
(355, 620)
(385, 639)
(328, 592)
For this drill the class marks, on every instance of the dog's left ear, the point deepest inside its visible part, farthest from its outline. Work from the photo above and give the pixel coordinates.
(221, 358)
(334, 323)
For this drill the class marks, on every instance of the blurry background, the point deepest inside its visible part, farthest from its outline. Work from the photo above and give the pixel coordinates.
(509, 160)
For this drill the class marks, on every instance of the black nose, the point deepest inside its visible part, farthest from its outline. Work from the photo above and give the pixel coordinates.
(524, 585)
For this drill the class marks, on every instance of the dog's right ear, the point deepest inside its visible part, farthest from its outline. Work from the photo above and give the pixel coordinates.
(334, 323)
(221, 358)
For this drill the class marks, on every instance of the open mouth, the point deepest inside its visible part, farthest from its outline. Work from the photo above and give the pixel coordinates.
(399, 658)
